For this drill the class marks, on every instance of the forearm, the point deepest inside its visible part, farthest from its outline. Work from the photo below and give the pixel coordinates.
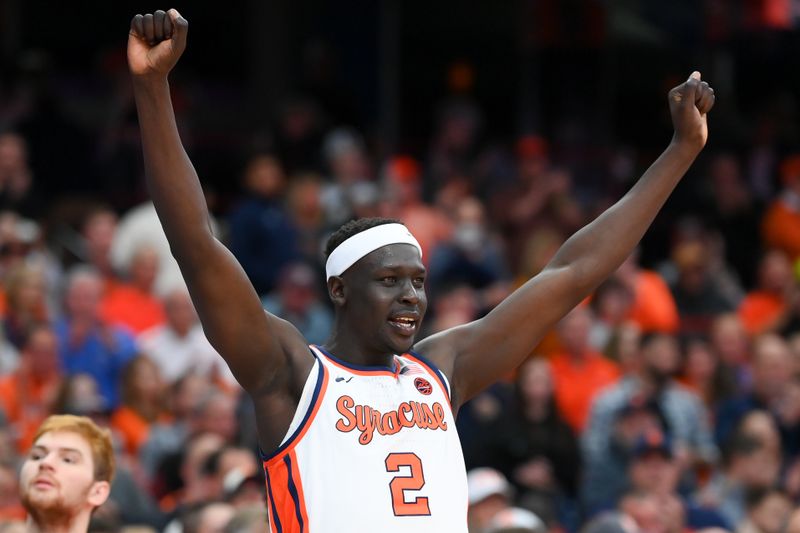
(171, 179)
(600, 247)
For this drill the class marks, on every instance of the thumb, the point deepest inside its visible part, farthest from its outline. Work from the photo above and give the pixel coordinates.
(689, 91)
(180, 28)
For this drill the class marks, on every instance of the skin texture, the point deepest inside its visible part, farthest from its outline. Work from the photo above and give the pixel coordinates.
(57, 484)
(270, 358)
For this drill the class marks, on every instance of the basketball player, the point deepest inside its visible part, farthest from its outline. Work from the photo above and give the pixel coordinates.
(66, 475)
(359, 435)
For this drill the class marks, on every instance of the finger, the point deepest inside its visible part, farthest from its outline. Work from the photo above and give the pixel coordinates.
(149, 30)
(706, 102)
(689, 89)
(167, 26)
(158, 25)
(136, 26)
(180, 28)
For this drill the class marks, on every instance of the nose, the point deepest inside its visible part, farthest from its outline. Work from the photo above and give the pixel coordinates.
(409, 294)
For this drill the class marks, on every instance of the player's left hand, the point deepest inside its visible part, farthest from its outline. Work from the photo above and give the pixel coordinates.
(689, 104)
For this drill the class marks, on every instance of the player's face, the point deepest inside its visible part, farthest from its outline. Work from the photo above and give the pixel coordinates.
(57, 477)
(387, 296)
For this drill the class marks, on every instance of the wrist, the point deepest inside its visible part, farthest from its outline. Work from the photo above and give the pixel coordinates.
(152, 80)
(688, 148)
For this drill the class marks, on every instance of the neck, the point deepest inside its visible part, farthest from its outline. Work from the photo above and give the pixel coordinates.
(44, 524)
(344, 345)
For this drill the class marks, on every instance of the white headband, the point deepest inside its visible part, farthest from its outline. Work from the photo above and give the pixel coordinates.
(362, 243)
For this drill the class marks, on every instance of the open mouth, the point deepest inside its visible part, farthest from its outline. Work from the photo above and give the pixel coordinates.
(406, 325)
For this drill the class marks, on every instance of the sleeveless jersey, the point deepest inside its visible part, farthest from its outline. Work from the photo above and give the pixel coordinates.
(369, 449)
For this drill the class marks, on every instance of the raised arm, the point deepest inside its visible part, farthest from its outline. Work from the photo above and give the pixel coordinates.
(255, 345)
(479, 353)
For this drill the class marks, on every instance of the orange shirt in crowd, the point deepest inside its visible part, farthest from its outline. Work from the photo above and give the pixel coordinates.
(131, 427)
(27, 403)
(128, 306)
(576, 382)
(759, 310)
(653, 308)
(781, 229)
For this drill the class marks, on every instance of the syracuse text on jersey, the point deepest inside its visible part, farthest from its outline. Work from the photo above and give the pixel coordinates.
(368, 420)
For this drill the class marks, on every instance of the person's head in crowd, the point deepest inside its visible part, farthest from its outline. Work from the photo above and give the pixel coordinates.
(264, 177)
(625, 348)
(775, 273)
(303, 199)
(692, 262)
(40, 352)
(402, 181)
(297, 289)
(18, 236)
(143, 268)
(653, 468)
(198, 484)
(729, 340)
(516, 520)
(179, 311)
(186, 394)
(230, 466)
(535, 389)
(15, 173)
(704, 372)
(345, 156)
(573, 331)
(761, 425)
(210, 517)
(748, 464)
(661, 357)
(612, 301)
(26, 294)
(84, 290)
(644, 510)
(216, 413)
(67, 473)
(142, 388)
(471, 232)
(533, 160)
(768, 510)
(640, 416)
(80, 395)
(454, 305)
(488, 493)
(790, 173)
(248, 519)
(772, 366)
(98, 229)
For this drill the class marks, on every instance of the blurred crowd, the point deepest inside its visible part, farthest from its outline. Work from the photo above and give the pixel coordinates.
(668, 401)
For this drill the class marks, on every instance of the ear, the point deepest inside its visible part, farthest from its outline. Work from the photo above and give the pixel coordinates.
(98, 493)
(336, 290)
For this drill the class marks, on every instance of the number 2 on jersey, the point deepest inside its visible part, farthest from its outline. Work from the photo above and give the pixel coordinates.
(400, 484)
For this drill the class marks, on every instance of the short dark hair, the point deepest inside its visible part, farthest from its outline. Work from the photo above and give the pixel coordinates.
(348, 229)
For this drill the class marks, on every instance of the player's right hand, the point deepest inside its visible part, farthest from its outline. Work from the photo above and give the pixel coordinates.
(156, 42)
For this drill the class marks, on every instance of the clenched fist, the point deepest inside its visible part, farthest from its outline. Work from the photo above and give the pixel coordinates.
(689, 103)
(156, 42)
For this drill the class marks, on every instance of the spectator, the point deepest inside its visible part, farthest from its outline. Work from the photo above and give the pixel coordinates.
(535, 448)
(133, 305)
(99, 230)
(18, 191)
(179, 346)
(611, 304)
(26, 303)
(705, 374)
(653, 307)
(781, 225)
(29, 394)
(87, 343)
(488, 493)
(262, 237)
(142, 392)
(349, 168)
(208, 517)
(772, 364)
(579, 372)
(297, 300)
(767, 512)
(766, 308)
(731, 345)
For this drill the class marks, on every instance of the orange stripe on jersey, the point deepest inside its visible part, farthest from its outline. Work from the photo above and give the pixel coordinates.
(283, 507)
(433, 373)
(301, 498)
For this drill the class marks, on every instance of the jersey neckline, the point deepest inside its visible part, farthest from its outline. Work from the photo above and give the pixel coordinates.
(361, 368)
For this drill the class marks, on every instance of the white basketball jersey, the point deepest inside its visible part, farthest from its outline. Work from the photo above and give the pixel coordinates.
(370, 449)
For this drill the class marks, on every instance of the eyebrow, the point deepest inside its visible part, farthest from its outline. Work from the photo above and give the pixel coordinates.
(39, 447)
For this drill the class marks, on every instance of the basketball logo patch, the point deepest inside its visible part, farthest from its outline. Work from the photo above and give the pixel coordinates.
(423, 386)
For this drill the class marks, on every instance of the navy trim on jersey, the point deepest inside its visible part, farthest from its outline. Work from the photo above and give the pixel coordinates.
(363, 368)
(312, 403)
(435, 369)
(275, 516)
(293, 492)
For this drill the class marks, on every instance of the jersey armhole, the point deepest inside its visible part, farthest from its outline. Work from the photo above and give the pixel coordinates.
(307, 407)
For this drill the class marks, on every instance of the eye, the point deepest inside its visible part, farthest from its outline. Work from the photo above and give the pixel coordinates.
(70, 459)
(419, 282)
(389, 280)
(35, 455)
